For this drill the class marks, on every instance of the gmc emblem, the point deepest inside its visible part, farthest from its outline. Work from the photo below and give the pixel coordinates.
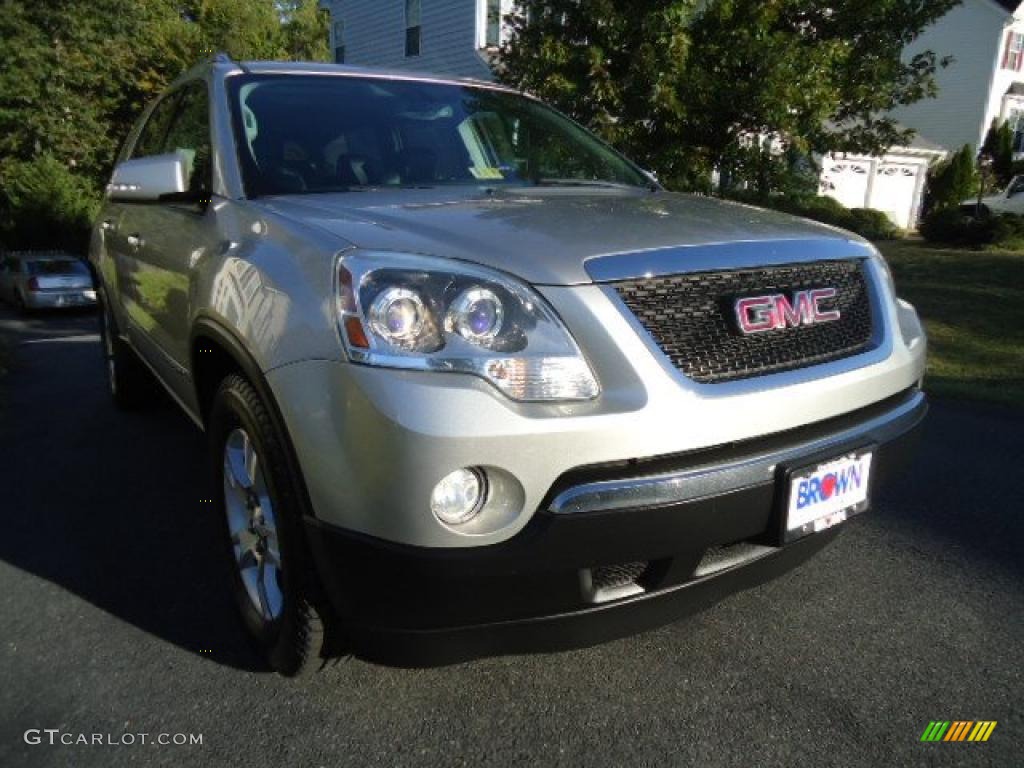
(758, 314)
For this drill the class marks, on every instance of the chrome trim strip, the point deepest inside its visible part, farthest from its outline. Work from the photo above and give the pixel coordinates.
(713, 480)
(332, 70)
(710, 257)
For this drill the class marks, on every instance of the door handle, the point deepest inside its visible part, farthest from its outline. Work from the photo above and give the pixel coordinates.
(135, 241)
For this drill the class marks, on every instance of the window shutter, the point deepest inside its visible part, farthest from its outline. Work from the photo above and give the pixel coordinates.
(1006, 54)
(1020, 49)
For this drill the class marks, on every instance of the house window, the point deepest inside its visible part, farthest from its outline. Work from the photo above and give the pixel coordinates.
(491, 22)
(1014, 56)
(339, 42)
(1016, 123)
(413, 28)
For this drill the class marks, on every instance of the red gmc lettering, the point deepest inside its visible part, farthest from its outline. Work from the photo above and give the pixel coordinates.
(757, 314)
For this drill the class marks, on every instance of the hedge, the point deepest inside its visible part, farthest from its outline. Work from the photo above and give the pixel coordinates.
(866, 222)
(45, 205)
(954, 226)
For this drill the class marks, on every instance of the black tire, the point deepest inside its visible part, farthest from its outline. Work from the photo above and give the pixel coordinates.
(19, 303)
(128, 381)
(293, 642)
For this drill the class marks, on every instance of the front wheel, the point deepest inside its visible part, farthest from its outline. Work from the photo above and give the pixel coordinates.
(258, 499)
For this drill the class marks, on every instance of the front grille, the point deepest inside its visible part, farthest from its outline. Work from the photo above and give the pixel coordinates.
(720, 558)
(612, 582)
(612, 576)
(691, 317)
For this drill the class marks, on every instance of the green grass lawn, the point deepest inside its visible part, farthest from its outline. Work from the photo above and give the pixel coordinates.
(972, 303)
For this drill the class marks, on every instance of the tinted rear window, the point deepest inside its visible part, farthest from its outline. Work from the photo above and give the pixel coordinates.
(57, 267)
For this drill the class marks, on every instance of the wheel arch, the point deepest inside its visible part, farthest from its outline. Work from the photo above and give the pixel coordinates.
(217, 352)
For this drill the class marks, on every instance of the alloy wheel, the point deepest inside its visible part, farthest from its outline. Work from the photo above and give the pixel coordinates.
(252, 525)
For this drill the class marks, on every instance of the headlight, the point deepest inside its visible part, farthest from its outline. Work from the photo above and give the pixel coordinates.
(406, 311)
(400, 317)
(476, 314)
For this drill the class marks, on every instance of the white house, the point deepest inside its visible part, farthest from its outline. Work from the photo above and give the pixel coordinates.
(985, 80)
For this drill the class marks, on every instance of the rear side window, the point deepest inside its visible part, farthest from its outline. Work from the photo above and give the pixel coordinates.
(151, 138)
(189, 135)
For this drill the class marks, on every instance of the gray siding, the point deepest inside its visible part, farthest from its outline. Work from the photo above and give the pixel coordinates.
(973, 33)
(375, 36)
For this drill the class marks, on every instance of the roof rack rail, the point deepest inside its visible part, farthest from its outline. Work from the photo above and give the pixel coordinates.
(223, 57)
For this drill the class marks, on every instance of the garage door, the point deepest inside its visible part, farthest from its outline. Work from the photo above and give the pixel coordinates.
(893, 191)
(846, 181)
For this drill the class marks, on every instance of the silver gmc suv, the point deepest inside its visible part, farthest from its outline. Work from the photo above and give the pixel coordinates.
(473, 382)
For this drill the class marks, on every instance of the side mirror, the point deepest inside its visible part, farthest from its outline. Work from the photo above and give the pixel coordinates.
(148, 179)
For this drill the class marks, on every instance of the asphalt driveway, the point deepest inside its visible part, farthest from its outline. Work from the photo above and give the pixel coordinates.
(113, 620)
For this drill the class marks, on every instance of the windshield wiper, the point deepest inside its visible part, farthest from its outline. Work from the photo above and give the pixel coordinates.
(600, 183)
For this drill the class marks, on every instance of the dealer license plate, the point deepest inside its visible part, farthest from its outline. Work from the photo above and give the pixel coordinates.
(827, 494)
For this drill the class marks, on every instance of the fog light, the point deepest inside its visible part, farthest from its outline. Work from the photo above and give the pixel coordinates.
(459, 497)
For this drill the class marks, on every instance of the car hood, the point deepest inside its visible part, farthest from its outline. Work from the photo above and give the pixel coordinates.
(544, 235)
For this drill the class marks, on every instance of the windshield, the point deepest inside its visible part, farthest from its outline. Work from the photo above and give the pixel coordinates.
(57, 267)
(305, 133)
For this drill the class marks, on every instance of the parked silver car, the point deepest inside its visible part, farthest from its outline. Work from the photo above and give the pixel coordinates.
(45, 281)
(1009, 200)
(472, 381)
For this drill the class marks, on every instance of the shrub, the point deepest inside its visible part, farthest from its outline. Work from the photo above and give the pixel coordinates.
(953, 226)
(866, 222)
(44, 205)
(951, 181)
(820, 208)
(872, 224)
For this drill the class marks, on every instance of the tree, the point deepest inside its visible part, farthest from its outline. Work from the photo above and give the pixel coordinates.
(78, 73)
(951, 181)
(683, 86)
(305, 32)
(997, 149)
(617, 66)
(242, 28)
(46, 204)
(78, 69)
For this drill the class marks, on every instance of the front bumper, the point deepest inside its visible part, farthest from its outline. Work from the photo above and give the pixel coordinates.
(702, 524)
